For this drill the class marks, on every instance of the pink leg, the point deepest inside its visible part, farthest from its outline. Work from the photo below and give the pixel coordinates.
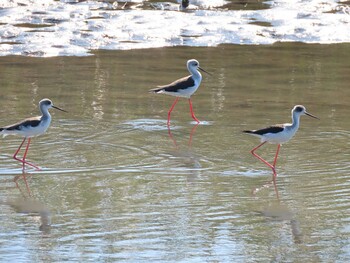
(275, 160)
(260, 158)
(192, 113)
(25, 152)
(19, 148)
(171, 109)
(23, 161)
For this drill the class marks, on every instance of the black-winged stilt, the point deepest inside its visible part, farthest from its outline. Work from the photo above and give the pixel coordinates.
(183, 87)
(279, 134)
(30, 127)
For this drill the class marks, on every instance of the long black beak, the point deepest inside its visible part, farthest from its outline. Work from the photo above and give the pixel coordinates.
(205, 71)
(57, 108)
(308, 114)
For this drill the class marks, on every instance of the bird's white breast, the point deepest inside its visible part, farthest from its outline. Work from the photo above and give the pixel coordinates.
(280, 137)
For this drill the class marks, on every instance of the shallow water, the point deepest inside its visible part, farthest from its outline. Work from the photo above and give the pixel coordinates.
(117, 185)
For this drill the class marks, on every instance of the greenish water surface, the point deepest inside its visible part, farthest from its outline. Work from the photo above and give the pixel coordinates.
(117, 186)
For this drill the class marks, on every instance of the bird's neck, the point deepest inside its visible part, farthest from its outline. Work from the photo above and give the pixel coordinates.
(295, 121)
(45, 114)
(196, 74)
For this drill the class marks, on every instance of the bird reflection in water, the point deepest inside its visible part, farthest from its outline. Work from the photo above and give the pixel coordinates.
(30, 206)
(186, 157)
(18, 179)
(277, 211)
(271, 183)
(193, 130)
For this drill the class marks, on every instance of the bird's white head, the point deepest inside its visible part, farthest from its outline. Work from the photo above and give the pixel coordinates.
(193, 66)
(46, 104)
(193, 63)
(301, 110)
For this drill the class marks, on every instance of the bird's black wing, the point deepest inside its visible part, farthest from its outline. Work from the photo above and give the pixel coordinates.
(33, 122)
(182, 83)
(271, 129)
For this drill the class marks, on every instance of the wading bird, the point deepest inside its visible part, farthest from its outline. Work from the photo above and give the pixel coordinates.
(183, 87)
(29, 128)
(279, 134)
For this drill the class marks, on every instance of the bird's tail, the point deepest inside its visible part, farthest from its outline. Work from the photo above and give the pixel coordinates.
(2, 132)
(156, 90)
